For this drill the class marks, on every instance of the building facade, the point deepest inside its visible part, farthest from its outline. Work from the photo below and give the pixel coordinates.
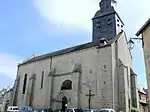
(134, 91)
(7, 99)
(99, 70)
(142, 100)
(145, 33)
(2, 92)
(45, 81)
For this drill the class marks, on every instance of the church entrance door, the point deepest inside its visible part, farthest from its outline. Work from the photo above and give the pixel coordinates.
(64, 103)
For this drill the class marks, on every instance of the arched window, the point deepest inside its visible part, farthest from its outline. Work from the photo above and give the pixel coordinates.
(24, 84)
(42, 79)
(66, 85)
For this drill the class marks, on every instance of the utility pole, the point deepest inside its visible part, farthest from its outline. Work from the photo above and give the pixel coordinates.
(90, 95)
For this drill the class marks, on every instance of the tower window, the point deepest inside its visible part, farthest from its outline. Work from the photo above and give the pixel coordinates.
(108, 19)
(24, 84)
(98, 26)
(117, 20)
(42, 78)
(118, 25)
(121, 25)
(109, 22)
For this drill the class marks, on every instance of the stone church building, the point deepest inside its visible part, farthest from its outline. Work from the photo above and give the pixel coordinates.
(97, 74)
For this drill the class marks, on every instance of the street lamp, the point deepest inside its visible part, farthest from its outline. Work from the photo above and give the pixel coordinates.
(131, 42)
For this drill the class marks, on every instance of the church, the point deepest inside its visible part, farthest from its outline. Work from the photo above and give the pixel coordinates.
(97, 74)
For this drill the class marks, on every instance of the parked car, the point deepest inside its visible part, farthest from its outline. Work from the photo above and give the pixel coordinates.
(107, 110)
(26, 109)
(74, 110)
(43, 110)
(12, 109)
(91, 110)
(58, 110)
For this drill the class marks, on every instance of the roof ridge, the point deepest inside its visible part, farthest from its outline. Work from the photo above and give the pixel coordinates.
(71, 49)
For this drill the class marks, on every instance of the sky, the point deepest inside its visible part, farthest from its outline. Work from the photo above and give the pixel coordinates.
(37, 27)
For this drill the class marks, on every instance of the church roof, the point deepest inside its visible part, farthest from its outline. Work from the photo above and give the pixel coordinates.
(132, 72)
(143, 27)
(71, 49)
(100, 13)
(33, 56)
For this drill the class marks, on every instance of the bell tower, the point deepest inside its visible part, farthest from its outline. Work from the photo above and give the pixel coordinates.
(106, 22)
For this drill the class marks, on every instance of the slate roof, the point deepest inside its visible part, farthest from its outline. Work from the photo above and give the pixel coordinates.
(143, 27)
(132, 72)
(71, 49)
(100, 13)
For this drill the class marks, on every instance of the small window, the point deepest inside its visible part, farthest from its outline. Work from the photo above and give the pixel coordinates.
(98, 27)
(104, 66)
(109, 23)
(42, 78)
(118, 25)
(24, 84)
(108, 19)
(117, 20)
(121, 25)
(139, 96)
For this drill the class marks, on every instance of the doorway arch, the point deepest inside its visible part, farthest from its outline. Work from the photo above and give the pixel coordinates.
(64, 103)
(57, 103)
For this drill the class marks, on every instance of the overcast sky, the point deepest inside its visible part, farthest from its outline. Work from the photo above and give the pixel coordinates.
(40, 26)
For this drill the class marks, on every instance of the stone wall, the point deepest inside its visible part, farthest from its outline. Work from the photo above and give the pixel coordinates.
(96, 71)
(99, 72)
(146, 48)
(122, 59)
(125, 57)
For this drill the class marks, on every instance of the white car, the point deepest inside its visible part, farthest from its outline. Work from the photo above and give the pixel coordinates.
(91, 110)
(107, 110)
(12, 109)
(99, 110)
